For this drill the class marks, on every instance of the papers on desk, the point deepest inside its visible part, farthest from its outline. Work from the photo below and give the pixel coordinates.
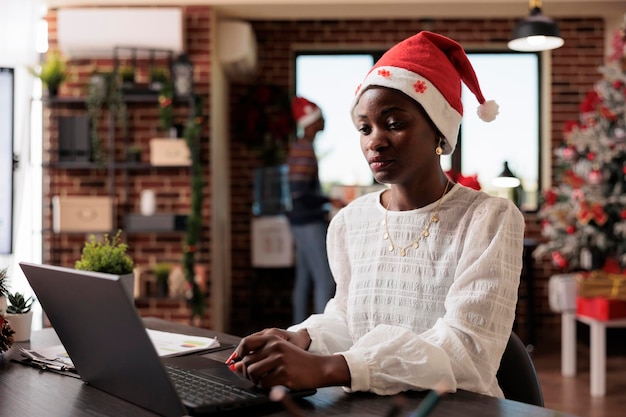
(53, 357)
(175, 344)
(166, 344)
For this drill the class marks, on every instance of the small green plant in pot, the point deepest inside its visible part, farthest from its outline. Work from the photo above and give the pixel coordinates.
(107, 255)
(53, 72)
(127, 75)
(19, 304)
(162, 273)
(158, 78)
(20, 316)
(133, 153)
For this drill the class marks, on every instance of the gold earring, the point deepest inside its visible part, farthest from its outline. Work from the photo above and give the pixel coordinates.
(439, 149)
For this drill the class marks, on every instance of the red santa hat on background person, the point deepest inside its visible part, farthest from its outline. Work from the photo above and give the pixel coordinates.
(429, 68)
(305, 112)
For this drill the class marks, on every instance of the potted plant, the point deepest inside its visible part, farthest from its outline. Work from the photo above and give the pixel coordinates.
(52, 72)
(6, 335)
(20, 316)
(104, 90)
(127, 75)
(4, 290)
(133, 153)
(158, 78)
(108, 256)
(162, 273)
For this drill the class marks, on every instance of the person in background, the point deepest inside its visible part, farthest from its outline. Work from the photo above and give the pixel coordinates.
(309, 214)
(427, 271)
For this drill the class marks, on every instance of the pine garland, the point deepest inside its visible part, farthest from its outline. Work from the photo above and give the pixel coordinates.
(109, 94)
(195, 296)
(166, 107)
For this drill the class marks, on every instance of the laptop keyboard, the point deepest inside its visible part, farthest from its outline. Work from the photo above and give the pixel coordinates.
(201, 390)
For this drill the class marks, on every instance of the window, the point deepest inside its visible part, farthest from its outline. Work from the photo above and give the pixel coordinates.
(512, 80)
(329, 80)
(6, 160)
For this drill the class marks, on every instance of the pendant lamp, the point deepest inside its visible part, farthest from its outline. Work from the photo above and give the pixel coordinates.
(509, 186)
(506, 179)
(536, 33)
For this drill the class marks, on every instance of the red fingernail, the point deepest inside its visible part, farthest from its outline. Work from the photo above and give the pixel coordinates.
(231, 358)
(232, 367)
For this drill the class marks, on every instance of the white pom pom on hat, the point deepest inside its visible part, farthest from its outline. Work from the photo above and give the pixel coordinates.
(488, 111)
(429, 68)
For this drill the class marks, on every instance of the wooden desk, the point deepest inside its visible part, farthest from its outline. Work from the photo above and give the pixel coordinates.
(25, 391)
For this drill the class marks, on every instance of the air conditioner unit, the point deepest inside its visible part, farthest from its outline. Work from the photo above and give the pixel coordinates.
(237, 49)
(94, 32)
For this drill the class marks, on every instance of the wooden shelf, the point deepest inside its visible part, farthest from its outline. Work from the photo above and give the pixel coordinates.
(74, 165)
(167, 222)
(147, 96)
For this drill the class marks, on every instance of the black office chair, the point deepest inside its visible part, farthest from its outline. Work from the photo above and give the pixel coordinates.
(517, 375)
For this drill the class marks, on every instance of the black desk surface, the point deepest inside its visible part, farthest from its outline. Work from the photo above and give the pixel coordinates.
(25, 391)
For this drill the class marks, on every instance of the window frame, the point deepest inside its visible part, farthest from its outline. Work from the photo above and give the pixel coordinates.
(456, 161)
(456, 157)
(8, 175)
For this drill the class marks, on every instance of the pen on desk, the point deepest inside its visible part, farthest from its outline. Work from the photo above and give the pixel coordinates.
(281, 393)
(397, 403)
(430, 401)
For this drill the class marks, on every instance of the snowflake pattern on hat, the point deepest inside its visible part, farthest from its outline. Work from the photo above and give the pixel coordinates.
(420, 86)
(429, 68)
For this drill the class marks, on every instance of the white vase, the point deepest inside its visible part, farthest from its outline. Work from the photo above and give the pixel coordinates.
(21, 325)
(147, 203)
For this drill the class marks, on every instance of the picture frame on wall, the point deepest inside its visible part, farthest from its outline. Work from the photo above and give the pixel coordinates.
(7, 86)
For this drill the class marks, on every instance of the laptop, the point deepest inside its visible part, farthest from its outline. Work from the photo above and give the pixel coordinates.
(105, 337)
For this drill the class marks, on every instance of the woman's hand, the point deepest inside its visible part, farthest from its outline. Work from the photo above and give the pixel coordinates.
(278, 357)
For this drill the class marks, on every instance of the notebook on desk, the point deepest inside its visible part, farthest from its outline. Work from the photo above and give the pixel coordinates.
(106, 339)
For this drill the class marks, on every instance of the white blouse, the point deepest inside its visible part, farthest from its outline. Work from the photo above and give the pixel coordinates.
(441, 314)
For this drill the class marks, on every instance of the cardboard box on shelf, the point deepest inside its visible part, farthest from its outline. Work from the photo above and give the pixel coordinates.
(169, 152)
(82, 214)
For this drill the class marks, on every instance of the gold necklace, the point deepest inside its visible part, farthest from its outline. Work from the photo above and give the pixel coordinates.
(425, 233)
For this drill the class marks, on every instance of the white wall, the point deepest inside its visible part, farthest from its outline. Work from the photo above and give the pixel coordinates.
(18, 30)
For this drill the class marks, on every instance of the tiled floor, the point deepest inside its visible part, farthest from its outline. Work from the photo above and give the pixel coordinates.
(571, 394)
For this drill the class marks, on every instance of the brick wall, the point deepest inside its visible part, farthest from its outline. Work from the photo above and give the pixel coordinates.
(263, 298)
(574, 70)
(172, 186)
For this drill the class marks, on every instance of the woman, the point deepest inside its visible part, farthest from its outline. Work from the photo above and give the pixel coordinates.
(427, 271)
(309, 214)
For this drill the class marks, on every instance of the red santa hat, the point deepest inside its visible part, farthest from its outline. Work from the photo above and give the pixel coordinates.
(429, 68)
(304, 111)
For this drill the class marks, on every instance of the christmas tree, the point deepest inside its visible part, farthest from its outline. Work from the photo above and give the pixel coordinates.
(584, 216)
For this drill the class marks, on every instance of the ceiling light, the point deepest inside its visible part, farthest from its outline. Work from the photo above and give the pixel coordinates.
(506, 179)
(536, 33)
